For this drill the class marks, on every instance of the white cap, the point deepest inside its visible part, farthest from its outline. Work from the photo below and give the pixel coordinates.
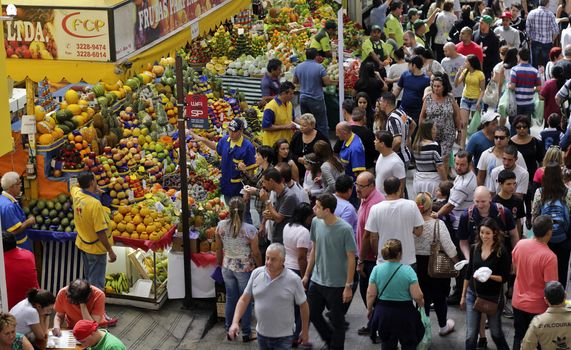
(489, 116)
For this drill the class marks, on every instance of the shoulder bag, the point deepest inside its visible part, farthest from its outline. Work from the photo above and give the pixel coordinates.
(389, 281)
(485, 306)
(439, 264)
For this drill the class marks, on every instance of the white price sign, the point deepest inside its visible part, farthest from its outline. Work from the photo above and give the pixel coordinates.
(28, 124)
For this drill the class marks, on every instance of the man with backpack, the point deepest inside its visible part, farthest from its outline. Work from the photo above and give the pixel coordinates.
(534, 265)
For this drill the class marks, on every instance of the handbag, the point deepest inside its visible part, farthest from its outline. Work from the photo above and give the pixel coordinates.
(491, 94)
(439, 264)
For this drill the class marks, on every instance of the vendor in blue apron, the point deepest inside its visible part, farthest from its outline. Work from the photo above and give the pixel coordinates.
(233, 149)
(12, 217)
(375, 50)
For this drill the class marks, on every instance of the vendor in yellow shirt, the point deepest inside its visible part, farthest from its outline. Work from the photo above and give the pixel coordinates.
(375, 50)
(94, 237)
(421, 27)
(322, 40)
(393, 27)
(277, 122)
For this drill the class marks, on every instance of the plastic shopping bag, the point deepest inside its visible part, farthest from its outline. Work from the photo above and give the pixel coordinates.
(491, 94)
(474, 123)
(427, 339)
(537, 116)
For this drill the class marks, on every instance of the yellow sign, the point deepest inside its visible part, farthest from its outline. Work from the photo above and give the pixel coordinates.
(5, 127)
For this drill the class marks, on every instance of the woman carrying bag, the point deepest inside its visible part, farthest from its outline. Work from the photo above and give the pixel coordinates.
(435, 290)
(488, 268)
(392, 288)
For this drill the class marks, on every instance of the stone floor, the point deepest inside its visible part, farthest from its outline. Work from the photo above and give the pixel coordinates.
(175, 328)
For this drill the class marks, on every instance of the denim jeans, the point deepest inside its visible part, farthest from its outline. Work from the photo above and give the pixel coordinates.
(94, 269)
(318, 297)
(319, 111)
(235, 283)
(281, 343)
(473, 325)
(522, 320)
(539, 53)
(297, 313)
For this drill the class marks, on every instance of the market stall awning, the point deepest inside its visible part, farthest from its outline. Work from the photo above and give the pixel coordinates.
(67, 3)
(5, 128)
(92, 72)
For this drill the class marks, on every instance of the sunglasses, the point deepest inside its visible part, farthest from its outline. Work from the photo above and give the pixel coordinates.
(500, 137)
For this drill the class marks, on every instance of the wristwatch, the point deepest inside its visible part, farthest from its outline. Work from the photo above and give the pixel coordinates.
(348, 285)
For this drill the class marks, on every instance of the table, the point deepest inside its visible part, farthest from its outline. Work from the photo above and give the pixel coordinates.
(42, 344)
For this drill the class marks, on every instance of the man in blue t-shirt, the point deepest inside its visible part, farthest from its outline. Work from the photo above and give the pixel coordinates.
(483, 139)
(312, 77)
(412, 84)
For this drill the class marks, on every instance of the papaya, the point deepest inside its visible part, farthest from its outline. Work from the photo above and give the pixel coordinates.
(71, 96)
(75, 109)
(46, 139)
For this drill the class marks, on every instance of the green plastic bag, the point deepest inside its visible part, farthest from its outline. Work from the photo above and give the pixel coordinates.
(474, 123)
(427, 339)
(537, 116)
(504, 104)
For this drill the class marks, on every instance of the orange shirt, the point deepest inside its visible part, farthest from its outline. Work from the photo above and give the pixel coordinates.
(95, 306)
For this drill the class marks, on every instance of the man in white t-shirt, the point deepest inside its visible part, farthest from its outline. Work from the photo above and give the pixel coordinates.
(395, 218)
(452, 64)
(509, 159)
(566, 36)
(492, 157)
(389, 163)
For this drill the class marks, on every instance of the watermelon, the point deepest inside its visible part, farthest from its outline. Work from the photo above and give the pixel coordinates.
(99, 90)
(66, 130)
(62, 116)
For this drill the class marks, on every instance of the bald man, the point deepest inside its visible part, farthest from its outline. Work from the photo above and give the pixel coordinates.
(452, 64)
(352, 152)
(482, 208)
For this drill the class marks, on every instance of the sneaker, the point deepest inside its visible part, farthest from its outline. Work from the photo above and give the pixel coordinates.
(449, 328)
(111, 321)
(482, 344)
(508, 312)
(363, 331)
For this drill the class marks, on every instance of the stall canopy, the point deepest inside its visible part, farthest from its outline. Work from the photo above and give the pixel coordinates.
(140, 46)
(5, 129)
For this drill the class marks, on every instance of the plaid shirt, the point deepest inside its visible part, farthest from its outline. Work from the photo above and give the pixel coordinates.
(541, 25)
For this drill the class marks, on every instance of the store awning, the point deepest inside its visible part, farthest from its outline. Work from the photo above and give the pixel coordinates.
(92, 72)
(67, 3)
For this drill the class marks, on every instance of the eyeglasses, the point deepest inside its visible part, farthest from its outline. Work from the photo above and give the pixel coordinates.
(363, 186)
(500, 137)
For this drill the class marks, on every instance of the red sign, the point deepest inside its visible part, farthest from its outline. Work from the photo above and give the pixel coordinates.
(197, 111)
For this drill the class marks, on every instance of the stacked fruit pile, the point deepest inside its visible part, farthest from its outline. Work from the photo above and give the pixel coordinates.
(139, 221)
(53, 215)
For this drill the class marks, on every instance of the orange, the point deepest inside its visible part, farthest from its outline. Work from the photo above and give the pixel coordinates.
(134, 211)
(78, 146)
(141, 228)
(116, 233)
(130, 227)
(123, 209)
(134, 236)
(145, 212)
(117, 187)
(121, 227)
(144, 236)
(150, 229)
(112, 225)
(154, 215)
(148, 220)
(84, 144)
(70, 137)
(114, 201)
(78, 138)
(137, 219)
(118, 217)
(128, 218)
(113, 194)
(154, 237)
(126, 235)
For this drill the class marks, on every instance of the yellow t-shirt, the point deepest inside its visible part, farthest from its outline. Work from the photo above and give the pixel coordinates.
(472, 84)
(90, 217)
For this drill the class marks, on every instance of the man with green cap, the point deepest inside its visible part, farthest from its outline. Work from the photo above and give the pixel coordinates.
(413, 15)
(421, 27)
(375, 50)
(490, 45)
(321, 41)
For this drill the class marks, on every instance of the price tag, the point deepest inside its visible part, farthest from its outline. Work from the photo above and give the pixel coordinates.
(143, 153)
(144, 184)
(130, 195)
(194, 30)
(165, 164)
(28, 124)
(159, 206)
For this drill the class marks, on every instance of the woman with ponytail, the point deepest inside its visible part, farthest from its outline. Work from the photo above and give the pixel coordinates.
(238, 254)
(33, 314)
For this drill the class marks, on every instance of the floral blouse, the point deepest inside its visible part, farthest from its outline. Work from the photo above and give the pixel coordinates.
(237, 252)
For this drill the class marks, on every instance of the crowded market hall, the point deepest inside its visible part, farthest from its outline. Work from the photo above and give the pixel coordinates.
(281, 174)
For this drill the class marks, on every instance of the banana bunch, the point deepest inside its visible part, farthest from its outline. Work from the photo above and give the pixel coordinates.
(149, 264)
(116, 283)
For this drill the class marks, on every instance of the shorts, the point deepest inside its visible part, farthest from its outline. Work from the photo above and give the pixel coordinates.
(468, 104)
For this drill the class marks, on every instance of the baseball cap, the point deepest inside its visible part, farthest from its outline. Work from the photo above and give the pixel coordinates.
(412, 12)
(487, 19)
(418, 23)
(376, 27)
(236, 125)
(489, 116)
(506, 14)
(330, 24)
(84, 329)
(416, 60)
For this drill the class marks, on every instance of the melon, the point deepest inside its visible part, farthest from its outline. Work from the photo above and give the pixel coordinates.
(75, 109)
(40, 113)
(71, 96)
(46, 139)
(99, 90)
(51, 121)
(44, 128)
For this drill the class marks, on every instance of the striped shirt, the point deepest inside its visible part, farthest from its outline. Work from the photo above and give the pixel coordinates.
(397, 125)
(462, 194)
(428, 158)
(541, 25)
(525, 78)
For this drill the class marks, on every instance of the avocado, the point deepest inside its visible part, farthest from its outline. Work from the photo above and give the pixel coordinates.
(41, 204)
(33, 203)
(39, 219)
(43, 227)
(47, 221)
(70, 215)
(27, 211)
(65, 222)
(50, 204)
(55, 221)
(53, 213)
(45, 212)
(36, 211)
(62, 198)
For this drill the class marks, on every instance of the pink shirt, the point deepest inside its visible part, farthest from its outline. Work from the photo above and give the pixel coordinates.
(535, 264)
(366, 204)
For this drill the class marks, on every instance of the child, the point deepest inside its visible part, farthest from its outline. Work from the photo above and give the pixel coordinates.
(507, 181)
(312, 179)
(551, 135)
(442, 195)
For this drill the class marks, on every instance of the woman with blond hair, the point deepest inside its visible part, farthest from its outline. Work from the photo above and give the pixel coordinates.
(304, 139)
(9, 339)
(435, 290)
(238, 253)
(553, 154)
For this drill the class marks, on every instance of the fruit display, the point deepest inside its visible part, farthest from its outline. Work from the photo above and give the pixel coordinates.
(116, 283)
(221, 44)
(140, 221)
(161, 266)
(248, 65)
(53, 215)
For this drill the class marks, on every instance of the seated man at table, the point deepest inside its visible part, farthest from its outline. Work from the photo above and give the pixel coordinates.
(90, 337)
(76, 302)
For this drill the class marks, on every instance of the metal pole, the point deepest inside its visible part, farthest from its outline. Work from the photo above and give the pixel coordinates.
(183, 181)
